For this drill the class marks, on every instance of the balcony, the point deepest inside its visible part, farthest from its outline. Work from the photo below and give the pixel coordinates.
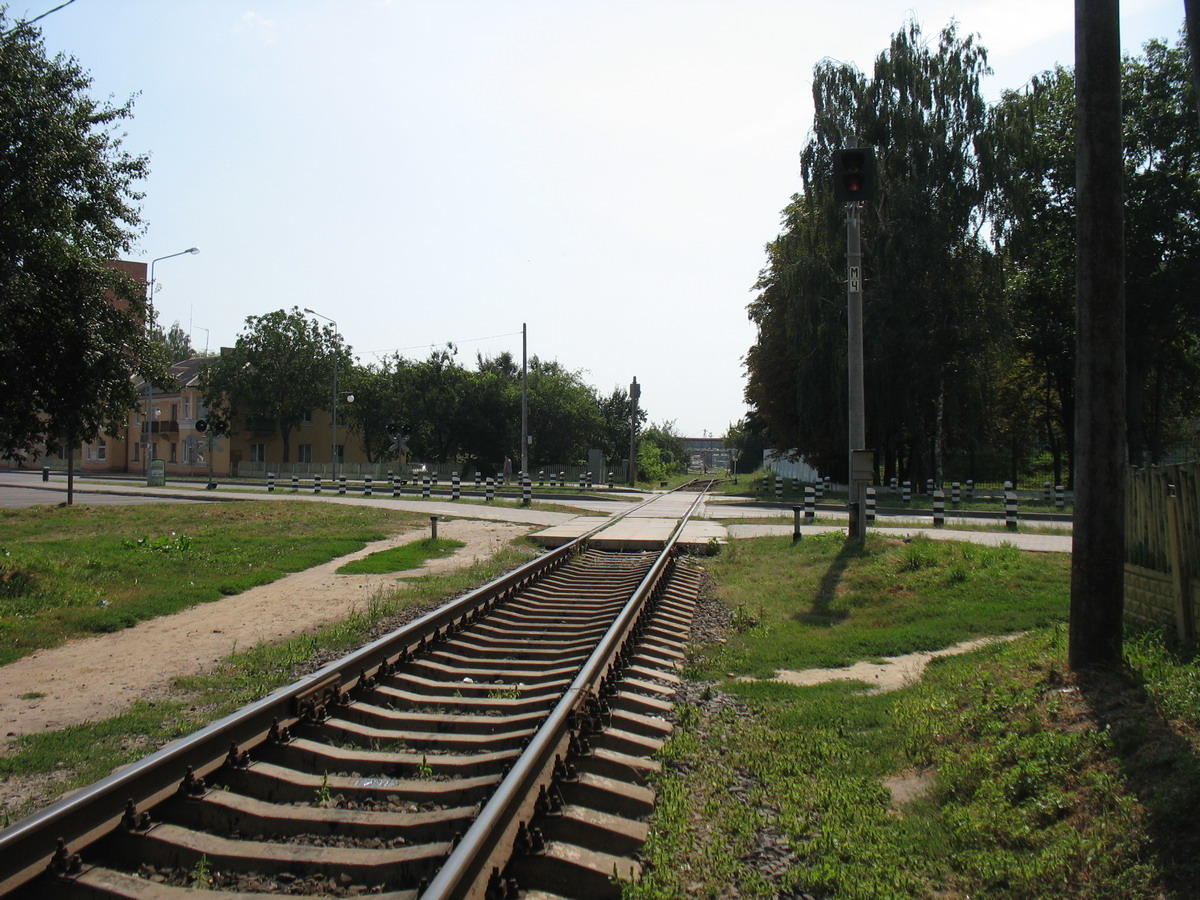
(165, 427)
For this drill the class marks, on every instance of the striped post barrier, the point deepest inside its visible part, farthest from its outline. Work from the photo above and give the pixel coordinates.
(425, 487)
(295, 483)
(810, 502)
(970, 489)
(939, 509)
(541, 477)
(581, 481)
(894, 483)
(1060, 499)
(820, 490)
(1010, 509)
(906, 492)
(455, 486)
(928, 485)
(391, 479)
(342, 484)
(526, 490)
(766, 483)
(610, 481)
(316, 484)
(397, 484)
(270, 482)
(1046, 491)
(778, 487)
(478, 478)
(828, 484)
(367, 486)
(591, 480)
(491, 489)
(870, 505)
(955, 493)
(562, 479)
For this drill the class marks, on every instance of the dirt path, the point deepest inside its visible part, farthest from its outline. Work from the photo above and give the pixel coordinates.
(97, 677)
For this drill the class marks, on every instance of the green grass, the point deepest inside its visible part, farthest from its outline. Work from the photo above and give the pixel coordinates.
(72, 571)
(828, 602)
(64, 759)
(399, 559)
(1037, 783)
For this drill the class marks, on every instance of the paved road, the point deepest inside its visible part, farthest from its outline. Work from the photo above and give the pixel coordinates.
(14, 497)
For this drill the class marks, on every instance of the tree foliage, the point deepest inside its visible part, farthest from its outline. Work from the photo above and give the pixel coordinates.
(279, 371)
(969, 264)
(927, 301)
(72, 333)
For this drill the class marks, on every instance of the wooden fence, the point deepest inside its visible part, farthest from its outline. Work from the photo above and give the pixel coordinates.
(1162, 546)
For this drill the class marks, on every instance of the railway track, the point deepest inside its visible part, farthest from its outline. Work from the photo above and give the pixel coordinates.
(498, 747)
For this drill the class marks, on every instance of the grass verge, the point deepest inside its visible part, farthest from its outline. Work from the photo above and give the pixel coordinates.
(72, 571)
(399, 559)
(50, 763)
(998, 775)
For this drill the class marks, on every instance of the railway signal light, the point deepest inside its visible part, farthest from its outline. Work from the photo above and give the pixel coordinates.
(854, 174)
(201, 426)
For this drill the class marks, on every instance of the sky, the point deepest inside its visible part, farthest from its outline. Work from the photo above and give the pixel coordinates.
(423, 172)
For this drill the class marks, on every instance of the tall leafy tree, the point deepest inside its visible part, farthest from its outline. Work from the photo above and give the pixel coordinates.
(927, 301)
(278, 372)
(72, 332)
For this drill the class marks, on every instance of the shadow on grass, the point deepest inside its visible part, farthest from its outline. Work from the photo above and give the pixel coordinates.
(821, 612)
(1160, 767)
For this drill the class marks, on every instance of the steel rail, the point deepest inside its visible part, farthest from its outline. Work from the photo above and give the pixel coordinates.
(482, 847)
(28, 847)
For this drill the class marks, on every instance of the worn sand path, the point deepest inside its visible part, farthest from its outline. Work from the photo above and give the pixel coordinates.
(97, 677)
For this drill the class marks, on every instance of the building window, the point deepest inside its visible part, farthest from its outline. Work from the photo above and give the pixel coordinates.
(101, 450)
(304, 453)
(137, 451)
(307, 417)
(187, 409)
(258, 453)
(174, 412)
(341, 453)
(189, 454)
(174, 451)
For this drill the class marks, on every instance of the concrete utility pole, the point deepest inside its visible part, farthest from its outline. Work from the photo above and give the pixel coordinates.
(854, 183)
(1098, 555)
(635, 391)
(524, 404)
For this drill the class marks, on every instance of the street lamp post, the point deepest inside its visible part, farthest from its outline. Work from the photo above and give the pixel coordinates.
(150, 382)
(333, 443)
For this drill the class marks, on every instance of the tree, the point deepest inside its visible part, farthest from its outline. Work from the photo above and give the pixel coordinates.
(175, 343)
(662, 451)
(278, 372)
(928, 299)
(72, 335)
(615, 410)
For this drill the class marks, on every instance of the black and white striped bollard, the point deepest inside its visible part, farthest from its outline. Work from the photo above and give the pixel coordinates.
(1010, 509)
(455, 486)
(491, 489)
(939, 509)
(341, 484)
(970, 489)
(819, 487)
(955, 493)
(396, 486)
(270, 482)
(810, 502)
(1060, 499)
(906, 492)
(778, 487)
(1046, 491)
(295, 483)
(870, 505)
(526, 490)
(425, 487)
(316, 484)
(367, 486)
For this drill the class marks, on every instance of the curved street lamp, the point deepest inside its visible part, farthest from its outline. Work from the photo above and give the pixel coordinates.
(349, 398)
(150, 382)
